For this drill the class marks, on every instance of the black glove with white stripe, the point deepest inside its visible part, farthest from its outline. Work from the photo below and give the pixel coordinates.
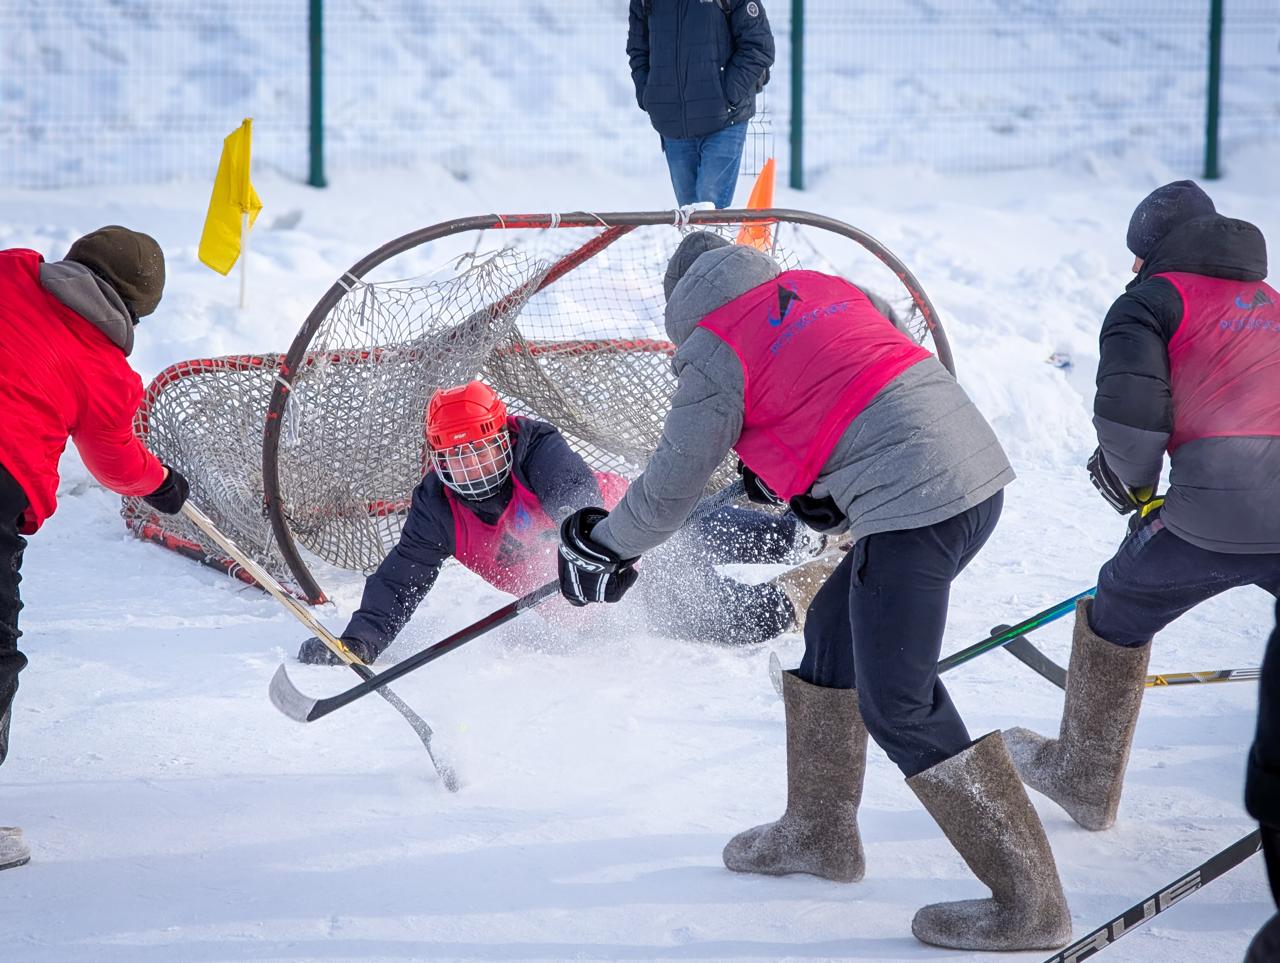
(589, 572)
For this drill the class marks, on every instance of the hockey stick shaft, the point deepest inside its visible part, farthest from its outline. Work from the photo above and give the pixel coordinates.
(1213, 867)
(1025, 652)
(286, 697)
(269, 582)
(997, 639)
(1001, 635)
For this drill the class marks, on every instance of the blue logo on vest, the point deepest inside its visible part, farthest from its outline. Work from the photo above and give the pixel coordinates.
(786, 297)
(522, 519)
(1259, 300)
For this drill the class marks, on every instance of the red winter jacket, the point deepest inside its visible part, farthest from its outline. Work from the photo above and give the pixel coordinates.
(62, 377)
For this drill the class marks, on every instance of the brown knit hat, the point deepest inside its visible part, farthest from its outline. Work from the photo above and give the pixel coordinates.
(130, 261)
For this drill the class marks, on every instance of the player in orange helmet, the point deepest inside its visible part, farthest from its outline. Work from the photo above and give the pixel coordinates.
(496, 490)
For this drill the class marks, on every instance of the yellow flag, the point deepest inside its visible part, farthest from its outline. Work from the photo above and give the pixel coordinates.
(233, 197)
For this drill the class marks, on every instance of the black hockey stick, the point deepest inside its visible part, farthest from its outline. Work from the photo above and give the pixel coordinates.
(1025, 652)
(1213, 867)
(265, 579)
(300, 707)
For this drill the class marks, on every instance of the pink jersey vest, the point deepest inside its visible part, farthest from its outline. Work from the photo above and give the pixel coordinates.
(814, 352)
(518, 552)
(1224, 359)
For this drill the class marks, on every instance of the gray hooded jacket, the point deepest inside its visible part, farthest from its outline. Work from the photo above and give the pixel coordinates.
(919, 453)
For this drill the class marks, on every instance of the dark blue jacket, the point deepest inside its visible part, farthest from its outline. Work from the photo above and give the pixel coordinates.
(544, 463)
(696, 69)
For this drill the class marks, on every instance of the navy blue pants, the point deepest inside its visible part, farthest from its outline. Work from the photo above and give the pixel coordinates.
(1157, 576)
(684, 596)
(877, 626)
(13, 502)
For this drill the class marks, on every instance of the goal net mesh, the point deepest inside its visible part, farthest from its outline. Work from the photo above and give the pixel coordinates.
(566, 324)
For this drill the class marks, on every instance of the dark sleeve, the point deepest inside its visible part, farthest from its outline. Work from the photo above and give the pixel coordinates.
(752, 51)
(638, 48)
(393, 592)
(1262, 780)
(1133, 408)
(556, 473)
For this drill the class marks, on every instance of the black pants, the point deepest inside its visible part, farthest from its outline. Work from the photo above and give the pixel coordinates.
(13, 502)
(877, 626)
(1156, 576)
(685, 598)
(1262, 779)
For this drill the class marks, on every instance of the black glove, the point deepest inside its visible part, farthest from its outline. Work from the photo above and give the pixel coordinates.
(589, 572)
(1119, 495)
(820, 514)
(315, 652)
(173, 491)
(757, 490)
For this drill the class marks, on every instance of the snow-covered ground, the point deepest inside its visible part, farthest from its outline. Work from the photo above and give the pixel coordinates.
(175, 815)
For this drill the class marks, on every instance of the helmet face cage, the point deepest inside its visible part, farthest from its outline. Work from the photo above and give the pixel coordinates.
(475, 469)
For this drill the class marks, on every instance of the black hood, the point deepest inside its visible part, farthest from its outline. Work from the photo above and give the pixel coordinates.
(1212, 245)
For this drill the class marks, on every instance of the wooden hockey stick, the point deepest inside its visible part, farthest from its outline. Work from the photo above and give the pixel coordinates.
(333, 644)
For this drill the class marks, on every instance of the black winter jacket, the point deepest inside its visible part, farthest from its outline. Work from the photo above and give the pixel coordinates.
(1224, 492)
(697, 70)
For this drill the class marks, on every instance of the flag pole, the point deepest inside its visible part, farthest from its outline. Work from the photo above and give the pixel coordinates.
(244, 253)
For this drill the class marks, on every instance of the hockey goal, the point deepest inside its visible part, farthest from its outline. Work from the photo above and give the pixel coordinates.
(309, 458)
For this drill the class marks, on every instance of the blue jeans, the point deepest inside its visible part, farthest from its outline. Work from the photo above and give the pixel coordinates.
(877, 623)
(706, 168)
(1156, 576)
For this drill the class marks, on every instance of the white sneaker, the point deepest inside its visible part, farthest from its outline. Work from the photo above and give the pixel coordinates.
(13, 851)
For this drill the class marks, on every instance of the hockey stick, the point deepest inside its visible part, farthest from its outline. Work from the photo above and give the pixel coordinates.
(334, 645)
(998, 639)
(1159, 901)
(1025, 652)
(300, 707)
(1001, 635)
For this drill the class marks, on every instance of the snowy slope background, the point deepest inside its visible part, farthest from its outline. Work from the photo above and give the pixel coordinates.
(174, 815)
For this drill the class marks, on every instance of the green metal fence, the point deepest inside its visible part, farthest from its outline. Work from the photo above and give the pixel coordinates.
(144, 90)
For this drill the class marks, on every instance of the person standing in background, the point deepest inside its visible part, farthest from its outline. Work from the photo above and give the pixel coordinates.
(697, 66)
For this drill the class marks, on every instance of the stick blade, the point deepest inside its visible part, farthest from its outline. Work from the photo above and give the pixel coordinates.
(286, 697)
(775, 673)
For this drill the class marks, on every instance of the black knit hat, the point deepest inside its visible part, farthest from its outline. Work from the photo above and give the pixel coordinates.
(129, 261)
(1161, 211)
(695, 244)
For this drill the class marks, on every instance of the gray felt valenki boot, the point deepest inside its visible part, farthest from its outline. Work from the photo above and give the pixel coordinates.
(1083, 769)
(826, 761)
(13, 851)
(978, 801)
(801, 583)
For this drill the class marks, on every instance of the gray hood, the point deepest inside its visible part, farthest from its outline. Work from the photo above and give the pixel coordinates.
(712, 281)
(90, 297)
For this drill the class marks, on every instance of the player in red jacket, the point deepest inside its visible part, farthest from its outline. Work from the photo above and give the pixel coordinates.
(66, 330)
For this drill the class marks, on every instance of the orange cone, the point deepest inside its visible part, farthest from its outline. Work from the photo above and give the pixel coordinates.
(758, 234)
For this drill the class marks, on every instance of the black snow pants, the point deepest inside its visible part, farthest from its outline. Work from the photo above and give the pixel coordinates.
(1157, 576)
(13, 502)
(877, 626)
(685, 598)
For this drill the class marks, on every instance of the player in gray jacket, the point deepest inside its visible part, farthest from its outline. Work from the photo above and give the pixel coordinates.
(832, 408)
